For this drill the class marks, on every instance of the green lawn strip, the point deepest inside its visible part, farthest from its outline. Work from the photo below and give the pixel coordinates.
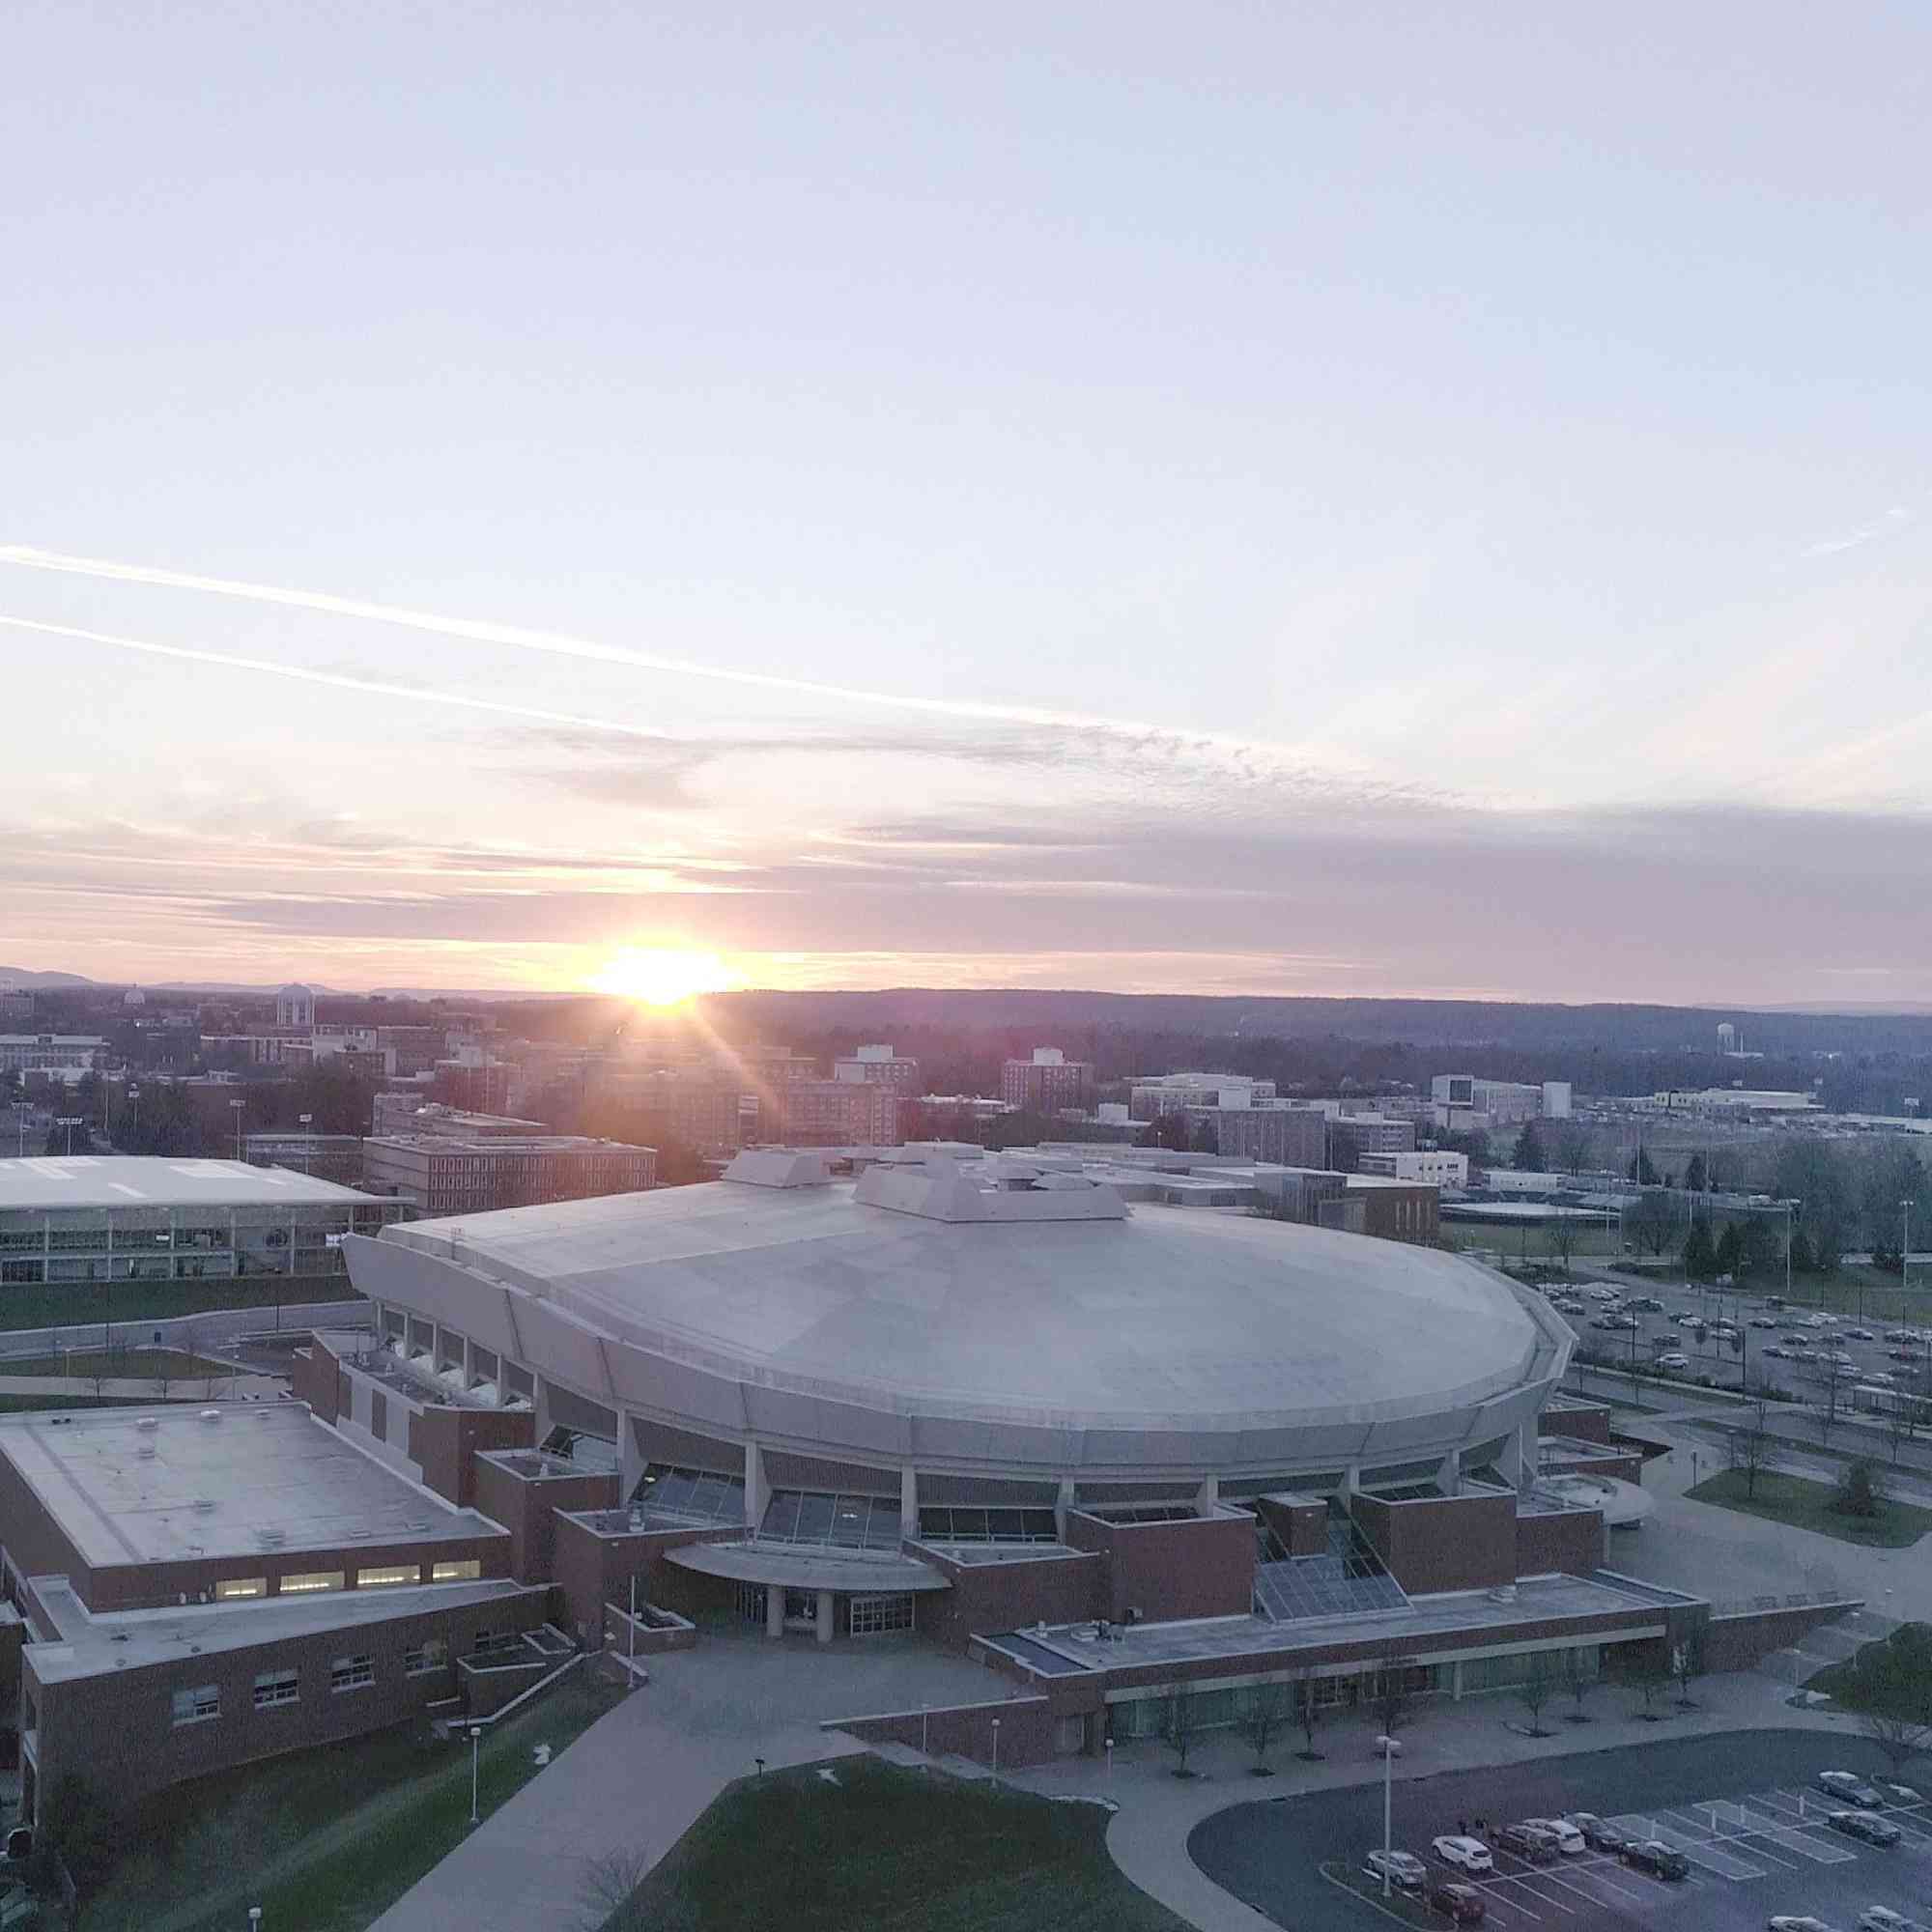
(85, 1306)
(136, 1364)
(20, 1404)
(1805, 1505)
(326, 1840)
(887, 1848)
(1873, 1690)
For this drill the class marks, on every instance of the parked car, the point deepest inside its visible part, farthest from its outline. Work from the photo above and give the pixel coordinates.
(1672, 1360)
(1470, 1855)
(1764, 1322)
(1569, 1840)
(1689, 1321)
(1599, 1834)
(1531, 1846)
(1883, 1918)
(1654, 1856)
(1772, 1350)
(1899, 1794)
(1903, 1354)
(1862, 1826)
(1908, 1336)
(1464, 1903)
(1405, 1871)
(1646, 1304)
(1786, 1921)
(1859, 1335)
(1850, 1788)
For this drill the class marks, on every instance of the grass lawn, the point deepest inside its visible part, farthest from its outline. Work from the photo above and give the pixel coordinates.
(120, 1363)
(326, 1842)
(1805, 1505)
(886, 1850)
(84, 1306)
(1872, 1689)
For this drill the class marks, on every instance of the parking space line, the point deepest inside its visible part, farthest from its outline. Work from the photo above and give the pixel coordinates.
(1806, 1846)
(1558, 1875)
(1497, 1902)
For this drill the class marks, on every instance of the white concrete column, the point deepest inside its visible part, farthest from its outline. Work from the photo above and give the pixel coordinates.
(1207, 1497)
(757, 1493)
(630, 1459)
(1456, 1682)
(908, 1500)
(824, 1625)
(1062, 1503)
(774, 1610)
(1449, 1475)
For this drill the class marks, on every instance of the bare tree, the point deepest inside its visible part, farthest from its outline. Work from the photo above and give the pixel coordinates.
(606, 1895)
(1686, 1665)
(1834, 1379)
(1900, 1737)
(1266, 1714)
(1562, 1236)
(1394, 1696)
(1652, 1223)
(1899, 1428)
(1179, 1726)
(1751, 1446)
(1307, 1714)
(1647, 1679)
(1578, 1683)
(1535, 1691)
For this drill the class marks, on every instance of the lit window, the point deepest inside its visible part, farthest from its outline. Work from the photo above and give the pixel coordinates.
(462, 1572)
(276, 1686)
(241, 1586)
(431, 1655)
(306, 1580)
(395, 1573)
(198, 1705)
(351, 1673)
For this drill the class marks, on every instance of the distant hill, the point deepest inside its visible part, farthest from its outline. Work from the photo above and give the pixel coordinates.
(17, 980)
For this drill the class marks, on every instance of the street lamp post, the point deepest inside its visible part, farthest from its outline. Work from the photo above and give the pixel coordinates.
(996, 1746)
(306, 1121)
(1388, 1837)
(234, 1108)
(134, 1101)
(1904, 1253)
(475, 1756)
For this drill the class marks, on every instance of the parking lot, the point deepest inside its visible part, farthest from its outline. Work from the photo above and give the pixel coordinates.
(1744, 1809)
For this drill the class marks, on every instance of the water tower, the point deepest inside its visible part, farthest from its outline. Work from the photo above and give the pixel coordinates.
(1727, 1038)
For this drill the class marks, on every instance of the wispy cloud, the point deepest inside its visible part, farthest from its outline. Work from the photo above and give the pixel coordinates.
(1851, 540)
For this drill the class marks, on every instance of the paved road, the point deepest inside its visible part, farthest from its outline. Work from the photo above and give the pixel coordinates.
(1755, 1855)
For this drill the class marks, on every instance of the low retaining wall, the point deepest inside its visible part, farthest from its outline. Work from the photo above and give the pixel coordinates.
(1026, 1731)
(1741, 1639)
(487, 1687)
(657, 1630)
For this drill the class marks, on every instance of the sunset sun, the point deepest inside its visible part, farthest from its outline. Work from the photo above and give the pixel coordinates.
(662, 976)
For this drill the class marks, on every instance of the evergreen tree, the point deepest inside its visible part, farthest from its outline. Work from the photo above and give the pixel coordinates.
(1695, 1178)
(1530, 1157)
(1730, 1251)
(1803, 1261)
(1700, 1257)
(1641, 1170)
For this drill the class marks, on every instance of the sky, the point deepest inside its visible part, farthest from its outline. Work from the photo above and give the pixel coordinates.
(1319, 498)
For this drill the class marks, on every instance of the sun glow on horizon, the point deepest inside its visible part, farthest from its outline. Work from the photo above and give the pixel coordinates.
(656, 975)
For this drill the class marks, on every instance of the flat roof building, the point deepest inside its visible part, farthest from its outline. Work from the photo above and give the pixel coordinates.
(89, 1218)
(1047, 1083)
(449, 1174)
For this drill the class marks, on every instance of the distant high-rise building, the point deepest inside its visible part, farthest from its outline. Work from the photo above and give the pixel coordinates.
(447, 1174)
(1352, 1135)
(1047, 1082)
(1556, 1100)
(295, 1008)
(830, 1113)
(881, 1066)
(1287, 1136)
(1174, 1093)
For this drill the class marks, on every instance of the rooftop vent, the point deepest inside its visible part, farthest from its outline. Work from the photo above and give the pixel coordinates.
(204, 1505)
(148, 1422)
(210, 1415)
(272, 1539)
(778, 1167)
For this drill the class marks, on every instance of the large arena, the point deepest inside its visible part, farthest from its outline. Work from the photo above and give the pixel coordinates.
(933, 1324)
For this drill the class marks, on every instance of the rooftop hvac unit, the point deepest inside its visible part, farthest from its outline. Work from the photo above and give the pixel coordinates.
(147, 1422)
(146, 1452)
(272, 1539)
(204, 1505)
(210, 1415)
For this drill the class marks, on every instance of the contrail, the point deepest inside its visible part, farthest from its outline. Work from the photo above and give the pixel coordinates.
(337, 680)
(484, 632)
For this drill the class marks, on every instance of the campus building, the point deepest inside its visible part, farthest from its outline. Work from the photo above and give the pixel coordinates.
(1048, 1083)
(879, 1064)
(138, 1218)
(449, 1174)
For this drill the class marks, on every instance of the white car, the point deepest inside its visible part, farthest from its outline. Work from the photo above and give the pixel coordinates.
(1883, 1918)
(1691, 1322)
(1787, 1921)
(1403, 1869)
(1672, 1360)
(1569, 1840)
(1470, 1855)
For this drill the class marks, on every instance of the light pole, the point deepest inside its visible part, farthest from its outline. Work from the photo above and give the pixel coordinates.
(306, 1121)
(1388, 1837)
(995, 1748)
(1109, 1757)
(234, 1108)
(254, 1919)
(134, 1101)
(1904, 1253)
(22, 1109)
(70, 1121)
(475, 1756)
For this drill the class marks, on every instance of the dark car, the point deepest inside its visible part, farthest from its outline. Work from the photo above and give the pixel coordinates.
(1599, 1834)
(1862, 1824)
(1464, 1903)
(1529, 1842)
(1659, 1859)
(1849, 1788)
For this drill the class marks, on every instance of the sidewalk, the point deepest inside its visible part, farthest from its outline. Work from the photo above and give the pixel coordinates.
(146, 1388)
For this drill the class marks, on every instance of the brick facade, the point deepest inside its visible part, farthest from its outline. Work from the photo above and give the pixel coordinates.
(1567, 1540)
(1054, 1589)
(1442, 1543)
(1199, 1566)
